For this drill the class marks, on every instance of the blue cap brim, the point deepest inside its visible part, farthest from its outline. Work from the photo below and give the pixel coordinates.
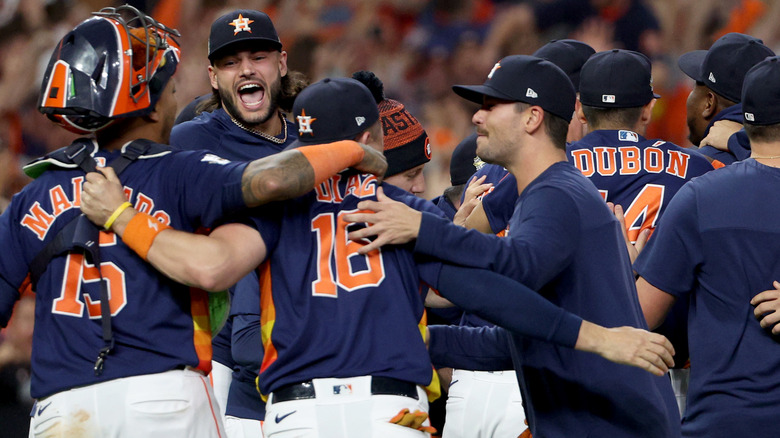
(476, 93)
(690, 63)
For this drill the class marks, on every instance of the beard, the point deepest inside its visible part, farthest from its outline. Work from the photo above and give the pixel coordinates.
(273, 94)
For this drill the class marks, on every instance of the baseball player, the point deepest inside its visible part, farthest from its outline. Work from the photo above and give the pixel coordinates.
(492, 214)
(318, 293)
(119, 350)
(246, 60)
(493, 397)
(719, 73)
(563, 242)
(638, 175)
(717, 246)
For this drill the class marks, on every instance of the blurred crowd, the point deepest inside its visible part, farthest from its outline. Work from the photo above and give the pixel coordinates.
(419, 48)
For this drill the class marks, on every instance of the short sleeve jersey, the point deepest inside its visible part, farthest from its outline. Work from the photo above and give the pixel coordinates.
(718, 245)
(152, 316)
(328, 311)
(638, 174)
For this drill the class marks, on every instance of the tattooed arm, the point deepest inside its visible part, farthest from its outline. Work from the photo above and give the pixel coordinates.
(217, 261)
(292, 173)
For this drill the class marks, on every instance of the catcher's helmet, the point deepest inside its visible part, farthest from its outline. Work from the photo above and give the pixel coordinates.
(113, 65)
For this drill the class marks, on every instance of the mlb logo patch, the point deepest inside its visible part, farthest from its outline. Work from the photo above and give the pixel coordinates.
(628, 136)
(608, 98)
(750, 117)
(342, 389)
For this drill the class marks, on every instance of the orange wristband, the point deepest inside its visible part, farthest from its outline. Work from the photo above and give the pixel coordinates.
(329, 159)
(140, 233)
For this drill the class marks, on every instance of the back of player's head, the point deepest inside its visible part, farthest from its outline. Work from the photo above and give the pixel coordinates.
(406, 142)
(334, 109)
(569, 55)
(761, 100)
(464, 161)
(111, 66)
(722, 68)
(617, 79)
(244, 26)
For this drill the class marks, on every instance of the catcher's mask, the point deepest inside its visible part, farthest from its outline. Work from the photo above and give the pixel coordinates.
(113, 65)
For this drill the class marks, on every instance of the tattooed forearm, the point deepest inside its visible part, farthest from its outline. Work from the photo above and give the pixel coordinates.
(282, 176)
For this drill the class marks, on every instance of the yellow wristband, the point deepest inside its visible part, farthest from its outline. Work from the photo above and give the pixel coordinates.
(115, 214)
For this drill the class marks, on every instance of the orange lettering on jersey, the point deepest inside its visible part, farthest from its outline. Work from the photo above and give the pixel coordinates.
(162, 217)
(368, 189)
(353, 186)
(324, 191)
(678, 164)
(324, 285)
(37, 220)
(654, 160)
(336, 195)
(605, 160)
(128, 193)
(107, 238)
(629, 160)
(68, 302)
(117, 299)
(583, 160)
(59, 200)
(604, 194)
(77, 184)
(144, 204)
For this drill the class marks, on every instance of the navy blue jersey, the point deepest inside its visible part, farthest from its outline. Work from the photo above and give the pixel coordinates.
(739, 145)
(718, 245)
(498, 202)
(152, 316)
(638, 174)
(564, 243)
(732, 113)
(217, 132)
(329, 312)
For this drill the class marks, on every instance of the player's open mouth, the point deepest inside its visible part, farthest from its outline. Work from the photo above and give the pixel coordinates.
(251, 95)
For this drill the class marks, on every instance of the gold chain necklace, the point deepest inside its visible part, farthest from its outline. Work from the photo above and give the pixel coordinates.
(765, 158)
(271, 138)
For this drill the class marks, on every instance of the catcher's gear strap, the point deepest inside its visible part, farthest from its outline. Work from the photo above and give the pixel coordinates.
(80, 234)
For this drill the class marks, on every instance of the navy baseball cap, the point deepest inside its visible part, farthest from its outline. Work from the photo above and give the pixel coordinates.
(528, 79)
(242, 25)
(569, 55)
(464, 161)
(616, 79)
(333, 109)
(722, 68)
(761, 93)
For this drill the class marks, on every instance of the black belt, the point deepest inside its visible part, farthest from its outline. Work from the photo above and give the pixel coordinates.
(379, 386)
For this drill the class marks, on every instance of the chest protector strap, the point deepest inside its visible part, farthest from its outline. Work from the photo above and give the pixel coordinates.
(80, 235)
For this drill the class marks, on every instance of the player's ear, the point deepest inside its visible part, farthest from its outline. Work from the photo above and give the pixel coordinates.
(647, 113)
(579, 114)
(213, 78)
(710, 106)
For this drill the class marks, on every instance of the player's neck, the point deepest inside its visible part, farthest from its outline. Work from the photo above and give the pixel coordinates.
(116, 135)
(767, 153)
(532, 162)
